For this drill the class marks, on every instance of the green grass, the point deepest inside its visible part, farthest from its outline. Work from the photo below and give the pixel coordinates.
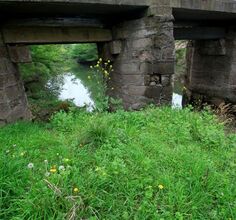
(119, 161)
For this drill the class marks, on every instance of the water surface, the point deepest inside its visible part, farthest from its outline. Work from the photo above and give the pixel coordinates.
(73, 89)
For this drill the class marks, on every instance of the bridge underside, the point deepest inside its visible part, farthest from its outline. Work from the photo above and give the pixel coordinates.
(139, 38)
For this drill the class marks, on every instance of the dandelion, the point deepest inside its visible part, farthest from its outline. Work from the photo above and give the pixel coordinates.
(161, 187)
(53, 170)
(61, 168)
(76, 190)
(30, 165)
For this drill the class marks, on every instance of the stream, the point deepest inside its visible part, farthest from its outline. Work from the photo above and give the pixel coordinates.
(73, 88)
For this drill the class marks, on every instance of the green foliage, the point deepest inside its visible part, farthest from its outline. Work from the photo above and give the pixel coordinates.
(180, 56)
(153, 164)
(47, 61)
(84, 52)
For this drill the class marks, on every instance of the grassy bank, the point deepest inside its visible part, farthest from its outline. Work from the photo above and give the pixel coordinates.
(153, 164)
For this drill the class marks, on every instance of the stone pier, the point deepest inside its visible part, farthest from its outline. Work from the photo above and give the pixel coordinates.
(13, 101)
(137, 35)
(211, 71)
(142, 52)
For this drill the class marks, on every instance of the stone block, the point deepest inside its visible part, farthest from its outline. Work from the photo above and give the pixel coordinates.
(116, 47)
(135, 90)
(131, 68)
(19, 54)
(2, 95)
(12, 92)
(138, 80)
(213, 47)
(163, 68)
(166, 80)
(142, 43)
(163, 12)
(153, 92)
(167, 93)
(4, 110)
(3, 51)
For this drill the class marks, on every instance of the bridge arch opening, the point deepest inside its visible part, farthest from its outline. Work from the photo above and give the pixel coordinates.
(56, 75)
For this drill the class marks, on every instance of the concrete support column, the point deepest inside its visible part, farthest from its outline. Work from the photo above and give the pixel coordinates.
(13, 101)
(143, 60)
(211, 71)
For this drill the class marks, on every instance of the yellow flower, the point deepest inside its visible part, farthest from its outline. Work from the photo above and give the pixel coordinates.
(53, 170)
(76, 190)
(161, 187)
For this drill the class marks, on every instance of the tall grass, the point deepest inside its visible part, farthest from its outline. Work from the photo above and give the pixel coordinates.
(153, 164)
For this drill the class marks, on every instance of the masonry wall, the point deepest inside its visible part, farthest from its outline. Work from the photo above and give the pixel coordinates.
(13, 101)
(143, 60)
(211, 72)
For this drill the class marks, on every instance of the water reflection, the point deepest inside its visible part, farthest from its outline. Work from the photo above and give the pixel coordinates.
(73, 89)
(177, 101)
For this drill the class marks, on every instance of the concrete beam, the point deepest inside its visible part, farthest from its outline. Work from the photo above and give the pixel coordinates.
(47, 35)
(97, 2)
(54, 22)
(199, 33)
(30, 8)
(228, 6)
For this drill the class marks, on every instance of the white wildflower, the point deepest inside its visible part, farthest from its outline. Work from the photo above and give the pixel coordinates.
(61, 168)
(30, 165)
(47, 174)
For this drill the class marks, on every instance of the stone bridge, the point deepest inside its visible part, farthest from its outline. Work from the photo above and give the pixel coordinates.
(137, 35)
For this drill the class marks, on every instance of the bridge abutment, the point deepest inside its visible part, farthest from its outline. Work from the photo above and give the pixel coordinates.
(143, 58)
(13, 101)
(211, 71)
